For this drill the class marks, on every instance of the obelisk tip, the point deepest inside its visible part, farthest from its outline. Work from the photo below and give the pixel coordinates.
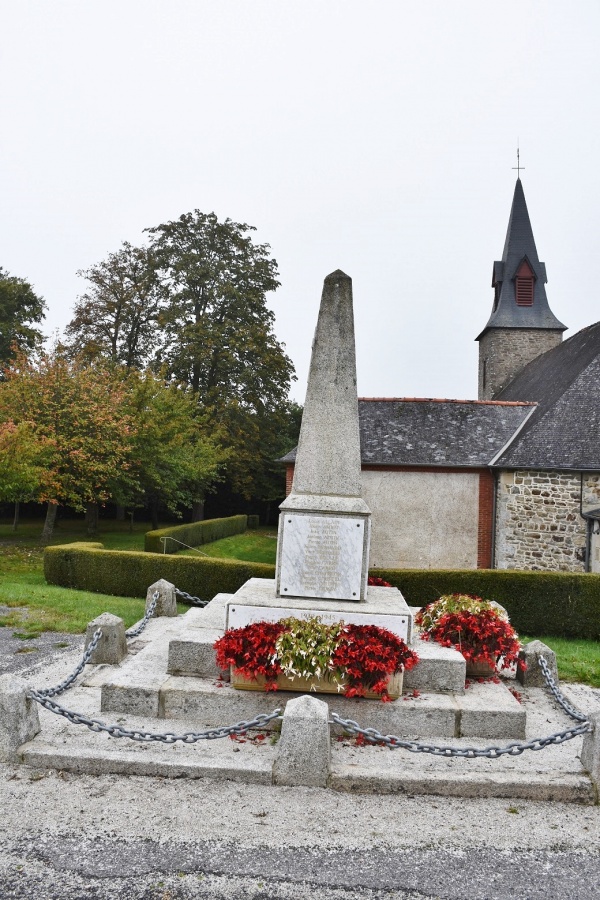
(338, 275)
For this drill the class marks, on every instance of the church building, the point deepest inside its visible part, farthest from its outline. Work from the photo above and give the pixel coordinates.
(510, 480)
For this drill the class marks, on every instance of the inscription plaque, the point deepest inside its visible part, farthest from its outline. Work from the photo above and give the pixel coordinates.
(321, 557)
(239, 615)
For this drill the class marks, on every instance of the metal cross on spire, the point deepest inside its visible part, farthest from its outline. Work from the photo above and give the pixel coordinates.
(518, 166)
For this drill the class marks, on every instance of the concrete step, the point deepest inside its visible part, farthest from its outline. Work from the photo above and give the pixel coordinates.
(552, 774)
(486, 709)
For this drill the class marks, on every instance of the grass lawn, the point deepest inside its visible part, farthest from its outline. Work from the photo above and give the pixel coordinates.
(256, 545)
(52, 608)
(578, 660)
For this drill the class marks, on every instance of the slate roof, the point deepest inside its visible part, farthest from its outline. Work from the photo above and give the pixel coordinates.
(520, 244)
(564, 430)
(426, 432)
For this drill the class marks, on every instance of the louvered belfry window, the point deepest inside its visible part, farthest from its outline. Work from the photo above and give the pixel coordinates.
(524, 284)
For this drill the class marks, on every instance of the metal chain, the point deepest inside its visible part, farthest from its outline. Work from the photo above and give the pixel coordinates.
(134, 632)
(169, 737)
(195, 601)
(560, 699)
(64, 685)
(372, 736)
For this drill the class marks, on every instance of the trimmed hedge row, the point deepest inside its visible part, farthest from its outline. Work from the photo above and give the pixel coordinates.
(194, 534)
(128, 573)
(562, 604)
(539, 603)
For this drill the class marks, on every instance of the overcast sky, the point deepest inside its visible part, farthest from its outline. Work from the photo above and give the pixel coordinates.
(377, 137)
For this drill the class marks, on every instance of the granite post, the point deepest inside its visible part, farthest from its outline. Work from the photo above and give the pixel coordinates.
(112, 646)
(304, 749)
(19, 720)
(590, 750)
(166, 602)
(324, 530)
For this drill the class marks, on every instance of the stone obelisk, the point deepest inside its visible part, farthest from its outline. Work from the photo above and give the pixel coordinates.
(324, 526)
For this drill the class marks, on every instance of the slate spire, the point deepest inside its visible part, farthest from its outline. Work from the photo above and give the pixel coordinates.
(519, 249)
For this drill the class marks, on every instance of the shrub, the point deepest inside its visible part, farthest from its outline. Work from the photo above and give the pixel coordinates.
(253, 521)
(194, 534)
(478, 629)
(129, 574)
(563, 604)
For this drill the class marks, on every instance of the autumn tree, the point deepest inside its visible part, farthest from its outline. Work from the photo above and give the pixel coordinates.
(24, 459)
(21, 310)
(177, 458)
(117, 316)
(195, 301)
(78, 414)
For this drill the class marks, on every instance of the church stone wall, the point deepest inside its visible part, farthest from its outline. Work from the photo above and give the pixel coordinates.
(423, 519)
(503, 352)
(538, 520)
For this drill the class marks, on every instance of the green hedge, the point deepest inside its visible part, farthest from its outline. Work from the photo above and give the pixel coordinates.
(195, 533)
(538, 603)
(128, 573)
(563, 604)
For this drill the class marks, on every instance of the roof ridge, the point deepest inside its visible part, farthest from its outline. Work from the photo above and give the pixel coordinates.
(446, 400)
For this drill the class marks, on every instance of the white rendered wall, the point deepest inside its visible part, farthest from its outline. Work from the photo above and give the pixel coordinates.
(423, 520)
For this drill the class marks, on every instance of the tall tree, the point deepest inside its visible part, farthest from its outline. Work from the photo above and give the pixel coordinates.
(219, 336)
(218, 328)
(20, 311)
(117, 316)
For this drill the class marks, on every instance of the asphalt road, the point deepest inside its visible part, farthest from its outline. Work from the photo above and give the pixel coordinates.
(108, 837)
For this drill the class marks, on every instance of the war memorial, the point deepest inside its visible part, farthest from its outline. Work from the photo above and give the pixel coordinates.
(169, 702)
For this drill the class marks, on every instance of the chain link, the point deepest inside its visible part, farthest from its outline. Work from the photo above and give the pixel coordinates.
(195, 601)
(43, 695)
(147, 737)
(560, 699)
(134, 632)
(67, 682)
(372, 736)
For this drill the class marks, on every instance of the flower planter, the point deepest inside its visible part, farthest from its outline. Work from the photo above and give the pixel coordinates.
(323, 685)
(480, 670)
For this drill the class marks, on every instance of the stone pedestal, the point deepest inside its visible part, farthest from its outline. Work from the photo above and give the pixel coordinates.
(255, 601)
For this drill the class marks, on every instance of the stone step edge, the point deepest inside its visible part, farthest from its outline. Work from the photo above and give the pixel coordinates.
(566, 788)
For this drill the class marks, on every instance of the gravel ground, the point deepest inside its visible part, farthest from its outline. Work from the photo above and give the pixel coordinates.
(107, 837)
(32, 655)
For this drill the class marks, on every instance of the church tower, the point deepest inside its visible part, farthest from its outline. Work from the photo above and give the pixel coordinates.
(522, 326)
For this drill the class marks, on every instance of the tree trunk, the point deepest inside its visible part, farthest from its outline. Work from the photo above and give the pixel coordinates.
(120, 513)
(197, 510)
(48, 529)
(91, 519)
(16, 518)
(154, 513)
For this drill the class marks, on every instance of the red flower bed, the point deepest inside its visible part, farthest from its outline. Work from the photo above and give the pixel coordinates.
(251, 650)
(365, 656)
(481, 633)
